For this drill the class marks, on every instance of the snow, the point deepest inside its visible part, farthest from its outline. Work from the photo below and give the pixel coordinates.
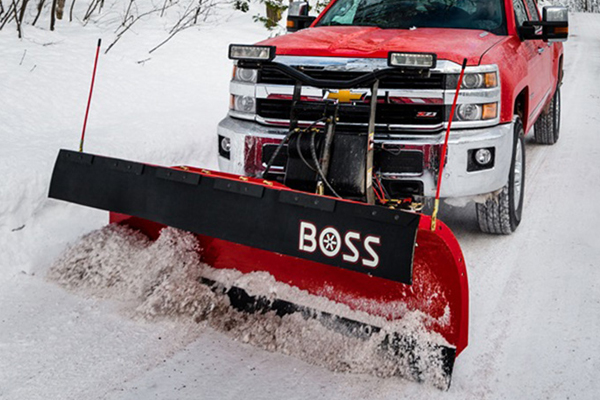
(535, 296)
(161, 279)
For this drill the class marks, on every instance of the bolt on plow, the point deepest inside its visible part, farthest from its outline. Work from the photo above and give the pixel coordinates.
(325, 226)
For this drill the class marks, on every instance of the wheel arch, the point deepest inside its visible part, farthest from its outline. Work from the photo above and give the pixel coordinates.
(521, 107)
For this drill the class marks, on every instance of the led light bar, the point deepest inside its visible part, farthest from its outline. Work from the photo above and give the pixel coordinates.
(251, 53)
(412, 60)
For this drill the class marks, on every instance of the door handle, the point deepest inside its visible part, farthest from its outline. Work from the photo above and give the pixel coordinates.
(541, 50)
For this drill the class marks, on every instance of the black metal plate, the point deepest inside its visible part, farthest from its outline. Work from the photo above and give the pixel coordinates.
(256, 217)
(403, 161)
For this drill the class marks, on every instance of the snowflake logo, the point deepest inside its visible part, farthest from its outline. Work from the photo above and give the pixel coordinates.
(330, 241)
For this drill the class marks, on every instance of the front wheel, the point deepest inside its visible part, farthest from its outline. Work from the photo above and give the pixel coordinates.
(501, 213)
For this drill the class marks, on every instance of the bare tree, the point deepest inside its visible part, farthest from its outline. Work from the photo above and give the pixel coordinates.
(189, 13)
(40, 6)
(92, 7)
(60, 8)
(71, 11)
(188, 19)
(53, 14)
(15, 6)
(128, 21)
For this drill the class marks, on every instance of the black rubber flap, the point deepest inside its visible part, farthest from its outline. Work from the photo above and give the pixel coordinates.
(405, 348)
(367, 239)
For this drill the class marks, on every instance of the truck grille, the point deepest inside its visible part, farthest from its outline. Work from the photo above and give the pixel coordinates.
(271, 75)
(393, 114)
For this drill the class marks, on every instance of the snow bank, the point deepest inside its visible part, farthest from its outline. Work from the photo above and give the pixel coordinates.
(161, 108)
(161, 279)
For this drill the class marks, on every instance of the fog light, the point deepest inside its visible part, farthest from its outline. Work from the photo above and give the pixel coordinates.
(483, 156)
(481, 159)
(226, 144)
(251, 53)
(224, 147)
(244, 104)
(412, 60)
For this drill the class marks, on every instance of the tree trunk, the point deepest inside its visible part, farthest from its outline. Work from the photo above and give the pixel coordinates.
(22, 12)
(39, 11)
(15, 6)
(60, 8)
(71, 11)
(53, 15)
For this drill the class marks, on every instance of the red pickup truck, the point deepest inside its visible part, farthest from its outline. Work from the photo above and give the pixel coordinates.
(511, 84)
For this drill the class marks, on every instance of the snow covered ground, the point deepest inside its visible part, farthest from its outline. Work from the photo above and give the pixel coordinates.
(535, 295)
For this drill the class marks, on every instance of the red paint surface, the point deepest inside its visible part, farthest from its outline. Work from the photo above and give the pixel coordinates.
(523, 70)
(373, 42)
(439, 286)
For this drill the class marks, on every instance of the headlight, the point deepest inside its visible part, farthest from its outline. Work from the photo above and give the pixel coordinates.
(244, 104)
(480, 81)
(472, 81)
(245, 74)
(476, 112)
(484, 80)
(468, 112)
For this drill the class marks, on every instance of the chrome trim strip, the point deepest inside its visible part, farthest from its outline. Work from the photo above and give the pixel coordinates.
(283, 123)
(542, 103)
(369, 64)
(242, 88)
(264, 90)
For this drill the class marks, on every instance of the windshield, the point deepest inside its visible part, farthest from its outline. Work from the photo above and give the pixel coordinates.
(405, 14)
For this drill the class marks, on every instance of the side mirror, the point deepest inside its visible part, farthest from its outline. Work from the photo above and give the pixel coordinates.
(298, 17)
(554, 26)
(559, 16)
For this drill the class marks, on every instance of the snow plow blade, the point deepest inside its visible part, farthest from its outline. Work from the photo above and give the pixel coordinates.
(376, 261)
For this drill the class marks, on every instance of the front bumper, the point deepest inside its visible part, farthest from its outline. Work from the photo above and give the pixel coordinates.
(457, 181)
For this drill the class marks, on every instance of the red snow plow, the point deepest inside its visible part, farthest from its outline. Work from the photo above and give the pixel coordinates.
(324, 229)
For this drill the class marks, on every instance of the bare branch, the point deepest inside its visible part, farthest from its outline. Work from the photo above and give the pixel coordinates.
(53, 15)
(17, 20)
(127, 25)
(40, 6)
(71, 11)
(9, 16)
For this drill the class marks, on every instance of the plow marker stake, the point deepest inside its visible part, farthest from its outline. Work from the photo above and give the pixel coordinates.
(87, 109)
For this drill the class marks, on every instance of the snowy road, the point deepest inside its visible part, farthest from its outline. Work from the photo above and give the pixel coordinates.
(535, 295)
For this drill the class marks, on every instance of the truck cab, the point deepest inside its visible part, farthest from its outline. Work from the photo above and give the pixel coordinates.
(511, 83)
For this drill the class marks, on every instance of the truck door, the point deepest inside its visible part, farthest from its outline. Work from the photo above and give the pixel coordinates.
(536, 70)
(545, 51)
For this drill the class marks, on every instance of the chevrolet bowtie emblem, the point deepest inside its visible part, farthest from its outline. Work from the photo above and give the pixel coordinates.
(344, 96)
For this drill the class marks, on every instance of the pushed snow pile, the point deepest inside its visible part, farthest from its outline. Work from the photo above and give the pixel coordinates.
(161, 279)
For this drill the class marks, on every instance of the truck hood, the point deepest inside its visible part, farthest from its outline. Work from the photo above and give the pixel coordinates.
(373, 42)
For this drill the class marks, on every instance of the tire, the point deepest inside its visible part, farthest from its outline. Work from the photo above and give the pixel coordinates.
(501, 214)
(547, 127)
